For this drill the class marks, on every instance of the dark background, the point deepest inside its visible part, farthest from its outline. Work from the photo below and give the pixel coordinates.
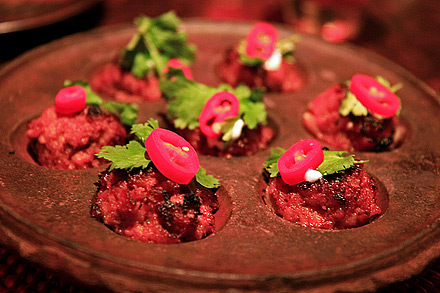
(404, 31)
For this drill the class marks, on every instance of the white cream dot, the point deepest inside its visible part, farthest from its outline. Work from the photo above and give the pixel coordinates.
(236, 129)
(274, 62)
(312, 175)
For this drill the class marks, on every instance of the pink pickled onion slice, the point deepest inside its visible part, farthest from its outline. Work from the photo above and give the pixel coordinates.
(172, 155)
(261, 41)
(294, 163)
(220, 106)
(336, 31)
(70, 100)
(382, 101)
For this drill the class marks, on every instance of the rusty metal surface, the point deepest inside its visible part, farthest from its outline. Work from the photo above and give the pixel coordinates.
(45, 214)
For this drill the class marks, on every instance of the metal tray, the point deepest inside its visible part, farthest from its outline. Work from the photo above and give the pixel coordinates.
(25, 15)
(45, 214)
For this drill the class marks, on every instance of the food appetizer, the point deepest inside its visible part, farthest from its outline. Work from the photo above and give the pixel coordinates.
(218, 121)
(68, 134)
(320, 188)
(154, 190)
(262, 60)
(134, 75)
(361, 114)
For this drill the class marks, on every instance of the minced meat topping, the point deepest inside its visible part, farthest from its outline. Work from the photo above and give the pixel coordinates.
(337, 201)
(362, 133)
(70, 141)
(144, 205)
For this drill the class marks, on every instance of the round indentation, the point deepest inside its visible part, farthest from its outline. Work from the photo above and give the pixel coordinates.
(336, 201)
(20, 143)
(351, 132)
(114, 82)
(68, 141)
(146, 206)
(288, 77)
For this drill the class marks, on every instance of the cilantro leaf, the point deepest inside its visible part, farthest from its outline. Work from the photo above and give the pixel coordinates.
(271, 164)
(128, 157)
(142, 64)
(287, 47)
(136, 58)
(187, 99)
(255, 95)
(252, 108)
(253, 113)
(206, 180)
(337, 161)
(352, 105)
(142, 131)
(157, 40)
(127, 112)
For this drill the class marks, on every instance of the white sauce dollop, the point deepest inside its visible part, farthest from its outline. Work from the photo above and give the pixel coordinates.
(236, 129)
(274, 62)
(312, 175)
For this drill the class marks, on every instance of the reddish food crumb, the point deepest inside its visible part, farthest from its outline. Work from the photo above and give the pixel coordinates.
(114, 82)
(144, 205)
(287, 78)
(70, 141)
(335, 201)
(250, 142)
(362, 133)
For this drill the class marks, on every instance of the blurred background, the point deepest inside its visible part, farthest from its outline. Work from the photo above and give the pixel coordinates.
(406, 32)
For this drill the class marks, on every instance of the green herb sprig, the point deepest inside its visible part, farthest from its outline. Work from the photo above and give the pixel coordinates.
(132, 155)
(156, 42)
(186, 99)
